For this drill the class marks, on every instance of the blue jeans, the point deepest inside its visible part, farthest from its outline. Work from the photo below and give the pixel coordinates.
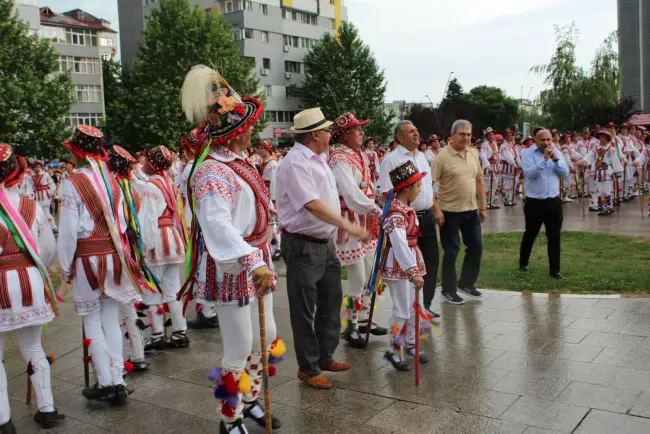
(469, 225)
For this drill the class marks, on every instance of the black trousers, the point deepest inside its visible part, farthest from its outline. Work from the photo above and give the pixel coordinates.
(467, 224)
(549, 213)
(315, 297)
(428, 244)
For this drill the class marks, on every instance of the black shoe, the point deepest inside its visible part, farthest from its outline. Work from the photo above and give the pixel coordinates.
(237, 427)
(141, 366)
(436, 316)
(178, 339)
(121, 394)
(411, 352)
(471, 292)
(261, 421)
(559, 276)
(375, 330)
(594, 209)
(202, 322)
(453, 298)
(495, 207)
(399, 366)
(358, 342)
(523, 268)
(606, 213)
(8, 428)
(276, 256)
(97, 393)
(157, 343)
(47, 420)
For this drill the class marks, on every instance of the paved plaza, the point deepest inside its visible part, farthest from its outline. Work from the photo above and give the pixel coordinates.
(509, 364)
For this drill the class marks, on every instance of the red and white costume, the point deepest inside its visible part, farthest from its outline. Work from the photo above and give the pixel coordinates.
(509, 171)
(489, 156)
(44, 191)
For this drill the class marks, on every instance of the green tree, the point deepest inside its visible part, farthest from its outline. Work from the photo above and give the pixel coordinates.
(342, 75)
(116, 121)
(34, 96)
(490, 106)
(177, 37)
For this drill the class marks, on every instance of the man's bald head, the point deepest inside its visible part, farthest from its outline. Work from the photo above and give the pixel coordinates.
(543, 138)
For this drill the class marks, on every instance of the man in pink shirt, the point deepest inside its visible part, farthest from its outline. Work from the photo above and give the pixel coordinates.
(309, 214)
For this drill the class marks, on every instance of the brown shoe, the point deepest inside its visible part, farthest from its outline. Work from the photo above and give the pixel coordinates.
(335, 366)
(317, 382)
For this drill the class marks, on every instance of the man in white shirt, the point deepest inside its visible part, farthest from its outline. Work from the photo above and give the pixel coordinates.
(408, 139)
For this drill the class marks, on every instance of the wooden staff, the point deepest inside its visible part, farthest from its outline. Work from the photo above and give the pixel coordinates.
(86, 361)
(641, 175)
(265, 366)
(417, 337)
(28, 398)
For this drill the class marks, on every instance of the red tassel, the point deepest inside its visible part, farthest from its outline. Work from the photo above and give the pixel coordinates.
(160, 310)
(140, 306)
(58, 297)
(230, 384)
(86, 342)
(166, 308)
(358, 306)
(227, 410)
(272, 371)
(128, 366)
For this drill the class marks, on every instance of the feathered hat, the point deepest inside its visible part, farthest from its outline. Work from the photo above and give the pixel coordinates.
(207, 97)
(12, 166)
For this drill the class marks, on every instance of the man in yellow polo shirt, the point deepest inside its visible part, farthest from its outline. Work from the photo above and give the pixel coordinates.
(457, 170)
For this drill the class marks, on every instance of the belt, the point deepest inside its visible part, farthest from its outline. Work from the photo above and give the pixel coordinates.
(545, 199)
(304, 237)
(423, 213)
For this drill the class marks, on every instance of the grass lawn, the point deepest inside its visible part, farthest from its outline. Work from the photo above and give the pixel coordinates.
(594, 263)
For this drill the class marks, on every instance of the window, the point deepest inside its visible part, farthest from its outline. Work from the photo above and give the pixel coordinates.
(228, 7)
(249, 34)
(80, 37)
(332, 24)
(292, 41)
(248, 5)
(281, 116)
(106, 42)
(269, 90)
(292, 93)
(264, 9)
(93, 119)
(292, 66)
(237, 34)
(79, 65)
(265, 36)
(271, 116)
(52, 34)
(332, 2)
(307, 43)
(88, 93)
(149, 2)
(249, 60)
(266, 63)
(238, 5)
(303, 17)
(107, 56)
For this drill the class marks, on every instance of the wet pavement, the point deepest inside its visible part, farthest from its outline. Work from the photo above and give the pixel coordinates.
(509, 364)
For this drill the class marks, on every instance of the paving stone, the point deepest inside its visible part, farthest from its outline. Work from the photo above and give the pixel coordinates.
(471, 424)
(350, 406)
(612, 340)
(642, 406)
(478, 401)
(634, 359)
(534, 387)
(601, 397)
(409, 417)
(598, 421)
(599, 325)
(545, 414)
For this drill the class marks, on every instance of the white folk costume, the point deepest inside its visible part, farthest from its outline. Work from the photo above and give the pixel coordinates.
(232, 211)
(630, 152)
(26, 186)
(354, 183)
(164, 249)
(606, 168)
(374, 164)
(26, 296)
(401, 261)
(91, 255)
(44, 191)
(569, 184)
(489, 156)
(268, 169)
(642, 164)
(509, 169)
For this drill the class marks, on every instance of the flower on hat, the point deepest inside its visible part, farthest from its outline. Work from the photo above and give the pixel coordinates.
(226, 103)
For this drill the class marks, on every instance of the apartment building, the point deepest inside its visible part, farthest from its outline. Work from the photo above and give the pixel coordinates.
(634, 50)
(29, 14)
(275, 34)
(81, 40)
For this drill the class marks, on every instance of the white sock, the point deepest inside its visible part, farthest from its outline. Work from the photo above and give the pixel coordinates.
(207, 311)
(397, 358)
(257, 411)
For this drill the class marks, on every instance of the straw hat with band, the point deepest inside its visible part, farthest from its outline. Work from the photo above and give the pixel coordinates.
(208, 98)
(309, 120)
(120, 160)
(488, 130)
(86, 142)
(405, 175)
(12, 167)
(345, 122)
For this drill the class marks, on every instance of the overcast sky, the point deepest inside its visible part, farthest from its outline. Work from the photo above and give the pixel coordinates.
(419, 42)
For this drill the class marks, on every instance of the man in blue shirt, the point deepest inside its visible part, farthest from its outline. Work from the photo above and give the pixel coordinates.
(543, 166)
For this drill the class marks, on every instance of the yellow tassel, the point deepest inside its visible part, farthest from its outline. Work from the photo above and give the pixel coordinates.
(278, 348)
(244, 383)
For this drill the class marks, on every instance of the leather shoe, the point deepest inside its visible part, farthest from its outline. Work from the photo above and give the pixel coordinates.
(335, 366)
(523, 269)
(559, 276)
(317, 382)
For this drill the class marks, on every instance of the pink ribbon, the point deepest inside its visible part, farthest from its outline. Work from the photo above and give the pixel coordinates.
(18, 220)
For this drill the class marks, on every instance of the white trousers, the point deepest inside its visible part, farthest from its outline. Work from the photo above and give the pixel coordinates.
(170, 283)
(492, 180)
(128, 312)
(358, 275)
(103, 328)
(402, 293)
(240, 334)
(29, 341)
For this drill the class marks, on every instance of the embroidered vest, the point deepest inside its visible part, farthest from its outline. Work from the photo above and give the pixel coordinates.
(39, 188)
(12, 259)
(99, 243)
(166, 220)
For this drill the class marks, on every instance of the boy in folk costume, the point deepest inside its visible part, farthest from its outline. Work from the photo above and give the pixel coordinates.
(509, 168)
(91, 255)
(489, 155)
(402, 266)
(268, 168)
(232, 211)
(26, 296)
(629, 153)
(120, 162)
(354, 182)
(164, 248)
(571, 157)
(44, 190)
(606, 169)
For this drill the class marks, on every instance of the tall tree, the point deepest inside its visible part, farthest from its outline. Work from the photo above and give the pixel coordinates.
(34, 97)
(424, 118)
(342, 75)
(490, 106)
(152, 89)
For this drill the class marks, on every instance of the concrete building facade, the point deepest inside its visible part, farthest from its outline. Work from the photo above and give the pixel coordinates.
(275, 34)
(634, 50)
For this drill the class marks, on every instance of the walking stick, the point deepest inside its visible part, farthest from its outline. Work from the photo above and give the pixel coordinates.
(489, 205)
(417, 337)
(372, 311)
(514, 184)
(265, 365)
(582, 187)
(86, 359)
(28, 398)
(641, 190)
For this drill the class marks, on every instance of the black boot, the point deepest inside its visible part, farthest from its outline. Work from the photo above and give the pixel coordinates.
(202, 322)
(237, 427)
(121, 394)
(399, 366)
(178, 339)
(157, 343)
(8, 428)
(261, 421)
(375, 330)
(48, 419)
(97, 393)
(358, 342)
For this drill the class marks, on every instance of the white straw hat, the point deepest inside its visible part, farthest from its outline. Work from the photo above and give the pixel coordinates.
(309, 120)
